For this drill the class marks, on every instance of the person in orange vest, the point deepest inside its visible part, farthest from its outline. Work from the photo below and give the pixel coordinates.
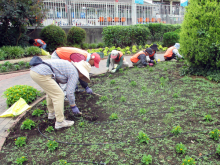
(140, 59)
(38, 42)
(153, 56)
(172, 52)
(77, 55)
(116, 57)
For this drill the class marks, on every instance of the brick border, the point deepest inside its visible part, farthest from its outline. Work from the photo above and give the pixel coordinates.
(2, 139)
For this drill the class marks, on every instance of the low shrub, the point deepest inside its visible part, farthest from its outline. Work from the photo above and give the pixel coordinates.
(170, 38)
(93, 46)
(76, 35)
(13, 94)
(100, 45)
(54, 36)
(85, 45)
(13, 52)
(3, 55)
(32, 51)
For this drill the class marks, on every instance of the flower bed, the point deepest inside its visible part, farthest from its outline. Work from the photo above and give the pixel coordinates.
(145, 116)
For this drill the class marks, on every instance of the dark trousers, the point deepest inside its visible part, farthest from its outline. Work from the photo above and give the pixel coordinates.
(83, 83)
(170, 58)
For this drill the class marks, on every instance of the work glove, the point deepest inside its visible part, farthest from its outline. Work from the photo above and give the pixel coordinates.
(113, 71)
(75, 110)
(107, 69)
(88, 90)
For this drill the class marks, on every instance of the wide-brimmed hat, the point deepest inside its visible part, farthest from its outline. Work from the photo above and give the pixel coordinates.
(114, 54)
(154, 47)
(149, 51)
(96, 58)
(84, 68)
(177, 45)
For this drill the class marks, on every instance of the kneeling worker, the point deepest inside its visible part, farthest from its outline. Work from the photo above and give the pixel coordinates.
(60, 71)
(139, 59)
(172, 52)
(39, 43)
(77, 55)
(116, 57)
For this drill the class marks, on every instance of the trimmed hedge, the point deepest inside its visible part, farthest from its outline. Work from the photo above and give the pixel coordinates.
(54, 36)
(170, 38)
(200, 34)
(76, 35)
(121, 36)
(135, 34)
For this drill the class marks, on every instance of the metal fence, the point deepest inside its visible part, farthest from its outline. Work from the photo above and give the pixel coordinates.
(101, 13)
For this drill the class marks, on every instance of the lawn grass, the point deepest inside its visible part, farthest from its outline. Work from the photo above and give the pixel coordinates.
(158, 101)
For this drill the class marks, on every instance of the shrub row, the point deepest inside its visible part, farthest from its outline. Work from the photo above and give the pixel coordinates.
(15, 52)
(137, 34)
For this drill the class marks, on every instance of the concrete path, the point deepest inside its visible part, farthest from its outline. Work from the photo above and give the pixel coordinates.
(23, 78)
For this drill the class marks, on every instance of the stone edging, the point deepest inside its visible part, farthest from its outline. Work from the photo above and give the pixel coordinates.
(2, 141)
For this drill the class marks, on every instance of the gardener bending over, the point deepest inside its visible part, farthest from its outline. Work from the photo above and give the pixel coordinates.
(139, 59)
(38, 42)
(172, 52)
(62, 72)
(77, 55)
(153, 56)
(116, 57)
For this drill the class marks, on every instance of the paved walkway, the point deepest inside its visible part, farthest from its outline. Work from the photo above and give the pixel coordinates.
(23, 78)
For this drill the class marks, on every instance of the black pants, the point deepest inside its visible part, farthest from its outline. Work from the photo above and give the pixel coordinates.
(83, 83)
(170, 58)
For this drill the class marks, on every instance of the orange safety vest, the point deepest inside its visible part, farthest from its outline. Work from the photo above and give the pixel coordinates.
(169, 52)
(135, 59)
(120, 55)
(65, 52)
(152, 54)
(37, 44)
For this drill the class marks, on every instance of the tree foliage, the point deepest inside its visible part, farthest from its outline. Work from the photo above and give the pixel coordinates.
(200, 34)
(15, 16)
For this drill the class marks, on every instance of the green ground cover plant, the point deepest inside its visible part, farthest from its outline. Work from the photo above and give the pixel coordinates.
(13, 94)
(116, 141)
(146, 159)
(20, 141)
(21, 160)
(27, 124)
(37, 112)
(49, 129)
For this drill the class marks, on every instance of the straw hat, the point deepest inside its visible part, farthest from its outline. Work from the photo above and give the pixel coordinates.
(84, 68)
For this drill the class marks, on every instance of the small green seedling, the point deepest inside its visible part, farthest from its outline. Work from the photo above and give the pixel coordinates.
(188, 161)
(175, 95)
(27, 124)
(17, 67)
(181, 148)
(82, 124)
(6, 63)
(20, 63)
(121, 70)
(112, 82)
(165, 69)
(21, 160)
(113, 116)
(214, 134)
(133, 83)
(142, 111)
(218, 150)
(172, 109)
(151, 70)
(44, 103)
(122, 99)
(49, 129)
(20, 141)
(104, 98)
(63, 162)
(52, 145)
(143, 138)
(27, 65)
(146, 159)
(37, 112)
(207, 118)
(176, 130)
